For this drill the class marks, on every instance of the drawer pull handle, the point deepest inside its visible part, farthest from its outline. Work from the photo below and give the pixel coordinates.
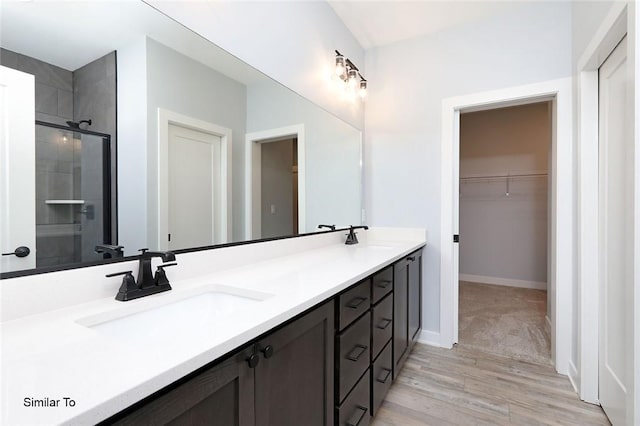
(383, 283)
(411, 258)
(384, 323)
(356, 352)
(363, 411)
(385, 372)
(355, 302)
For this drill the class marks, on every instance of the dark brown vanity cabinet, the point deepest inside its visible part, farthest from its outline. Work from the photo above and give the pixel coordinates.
(285, 378)
(407, 302)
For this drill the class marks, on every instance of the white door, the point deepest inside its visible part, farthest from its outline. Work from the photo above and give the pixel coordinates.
(615, 233)
(17, 168)
(194, 188)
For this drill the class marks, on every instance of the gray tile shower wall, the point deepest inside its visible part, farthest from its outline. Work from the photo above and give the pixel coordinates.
(94, 97)
(54, 86)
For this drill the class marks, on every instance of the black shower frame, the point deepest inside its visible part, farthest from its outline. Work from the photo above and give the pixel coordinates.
(106, 175)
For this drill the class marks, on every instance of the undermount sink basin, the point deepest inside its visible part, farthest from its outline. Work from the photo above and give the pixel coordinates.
(174, 318)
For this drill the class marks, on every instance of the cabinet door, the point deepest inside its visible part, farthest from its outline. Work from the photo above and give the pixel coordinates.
(222, 394)
(294, 380)
(415, 295)
(400, 315)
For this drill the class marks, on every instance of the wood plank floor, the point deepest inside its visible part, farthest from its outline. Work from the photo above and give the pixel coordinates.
(464, 386)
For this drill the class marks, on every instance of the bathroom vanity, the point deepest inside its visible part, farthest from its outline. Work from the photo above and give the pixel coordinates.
(295, 331)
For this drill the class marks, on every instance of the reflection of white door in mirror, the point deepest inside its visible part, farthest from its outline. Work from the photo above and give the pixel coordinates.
(194, 189)
(17, 182)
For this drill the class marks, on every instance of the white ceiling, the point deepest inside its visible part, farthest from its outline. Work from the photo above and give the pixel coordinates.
(379, 23)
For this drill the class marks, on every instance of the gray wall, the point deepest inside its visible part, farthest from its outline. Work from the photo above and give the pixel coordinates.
(277, 188)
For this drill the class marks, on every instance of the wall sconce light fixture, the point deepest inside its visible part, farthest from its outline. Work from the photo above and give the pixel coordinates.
(350, 75)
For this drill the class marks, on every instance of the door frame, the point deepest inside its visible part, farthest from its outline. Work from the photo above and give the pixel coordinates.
(560, 243)
(253, 172)
(166, 118)
(584, 376)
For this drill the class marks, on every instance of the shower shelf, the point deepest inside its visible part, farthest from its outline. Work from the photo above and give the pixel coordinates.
(64, 202)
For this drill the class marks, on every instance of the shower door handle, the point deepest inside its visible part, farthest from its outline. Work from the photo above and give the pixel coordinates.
(21, 251)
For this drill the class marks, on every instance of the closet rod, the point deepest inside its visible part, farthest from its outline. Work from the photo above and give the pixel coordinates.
(504, 176)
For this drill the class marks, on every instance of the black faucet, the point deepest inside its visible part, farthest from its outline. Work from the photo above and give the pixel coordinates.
(352, 236)
(109, 250)
(147, 283)
(332, 227)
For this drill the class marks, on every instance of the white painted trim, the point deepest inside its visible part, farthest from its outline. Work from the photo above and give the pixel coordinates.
(508, 282)
(165, 118)
(574, 378)
(252, 183)
(559, 91)
(430, 338)
(610, 32)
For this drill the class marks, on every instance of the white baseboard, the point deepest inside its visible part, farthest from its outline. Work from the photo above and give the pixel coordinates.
(537, 285)
(574, 378)
(430, 338)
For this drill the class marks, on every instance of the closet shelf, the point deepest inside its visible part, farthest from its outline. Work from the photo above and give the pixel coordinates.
(523, 175)
(64, 202)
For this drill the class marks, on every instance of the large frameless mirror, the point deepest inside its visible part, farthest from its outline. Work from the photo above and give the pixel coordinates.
(126, 130)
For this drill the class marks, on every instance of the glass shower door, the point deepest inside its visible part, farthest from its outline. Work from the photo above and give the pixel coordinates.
(73, 194)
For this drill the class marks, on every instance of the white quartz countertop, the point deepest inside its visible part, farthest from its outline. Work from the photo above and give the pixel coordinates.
(69, 353)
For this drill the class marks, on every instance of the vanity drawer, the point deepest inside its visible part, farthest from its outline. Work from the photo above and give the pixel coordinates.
(354, 303)
(382, 284)
(381, 325)
(381, 378)
(355, 410)
(354, 354)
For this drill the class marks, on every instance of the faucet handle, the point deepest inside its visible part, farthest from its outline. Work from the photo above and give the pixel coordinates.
(143, 250)
(160, 277)
(127, 287)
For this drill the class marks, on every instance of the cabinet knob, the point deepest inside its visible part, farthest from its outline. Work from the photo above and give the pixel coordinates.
(267, 351)
(253, 360)
(411, 258)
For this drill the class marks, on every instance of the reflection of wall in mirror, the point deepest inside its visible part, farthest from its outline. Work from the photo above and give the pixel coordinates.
(180, 84)
(333, 173)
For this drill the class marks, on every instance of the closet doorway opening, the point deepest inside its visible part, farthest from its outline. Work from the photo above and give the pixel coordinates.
(504, 194)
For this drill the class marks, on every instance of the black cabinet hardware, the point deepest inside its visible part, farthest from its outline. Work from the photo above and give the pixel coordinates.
(361, 411)
(382, 378)
(253, 360)
(356, 302)
(383, 283)
(384, 323)
(22, 251)
(267, 351)
(411, 258)
(356, 352)
(456, 238)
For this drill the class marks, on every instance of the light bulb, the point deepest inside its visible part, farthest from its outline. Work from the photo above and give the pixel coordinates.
(353, 78)
(340, 65)
(363, 89)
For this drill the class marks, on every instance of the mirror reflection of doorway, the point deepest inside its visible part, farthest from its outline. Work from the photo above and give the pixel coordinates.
(279, 187)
